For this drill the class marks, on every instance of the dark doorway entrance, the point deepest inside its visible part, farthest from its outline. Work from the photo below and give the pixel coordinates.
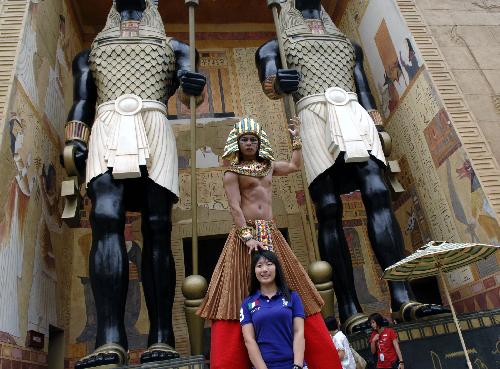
(209, 250)
(426, 290)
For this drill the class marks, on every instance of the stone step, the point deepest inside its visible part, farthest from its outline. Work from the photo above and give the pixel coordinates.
(190, 362)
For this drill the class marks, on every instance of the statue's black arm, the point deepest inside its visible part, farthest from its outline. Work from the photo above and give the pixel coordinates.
(192, 83)
(365, 96)
(267, 59)
(84, 90)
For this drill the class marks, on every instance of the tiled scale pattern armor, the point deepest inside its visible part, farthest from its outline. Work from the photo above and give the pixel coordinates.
(139, 67)
(142, 65)
(323, 60)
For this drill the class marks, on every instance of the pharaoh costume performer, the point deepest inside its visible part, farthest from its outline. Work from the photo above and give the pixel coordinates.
(130, 72)
(229, 284)
(341, 146)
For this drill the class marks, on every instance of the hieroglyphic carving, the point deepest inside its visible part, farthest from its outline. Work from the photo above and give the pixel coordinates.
(473, 140)
(406, 127)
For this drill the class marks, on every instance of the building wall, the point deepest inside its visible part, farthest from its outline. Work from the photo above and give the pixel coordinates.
(435, 138)
(40, 258)
(468, 35)
(35, 247)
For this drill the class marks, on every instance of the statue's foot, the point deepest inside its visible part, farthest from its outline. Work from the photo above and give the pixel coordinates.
(357, 323)
(158, 352)
(411, 311)
(110, 355)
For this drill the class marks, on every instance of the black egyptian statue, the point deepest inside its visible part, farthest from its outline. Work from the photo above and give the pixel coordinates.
(341, 146)
(125, 148)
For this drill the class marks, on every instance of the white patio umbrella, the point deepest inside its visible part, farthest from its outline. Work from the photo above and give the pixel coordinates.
(437, 257)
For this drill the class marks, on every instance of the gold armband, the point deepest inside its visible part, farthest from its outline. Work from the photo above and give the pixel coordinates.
(186, 99)
(296, 143)
(245, 233)
(76, 130)
(268, 88)
(376, 117)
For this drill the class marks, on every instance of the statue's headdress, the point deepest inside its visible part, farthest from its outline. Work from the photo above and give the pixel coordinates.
(292, 22)
(151, 23)
(247, 126)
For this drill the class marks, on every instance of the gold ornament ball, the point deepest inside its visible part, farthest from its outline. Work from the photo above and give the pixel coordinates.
(320, 272)
(194, 287)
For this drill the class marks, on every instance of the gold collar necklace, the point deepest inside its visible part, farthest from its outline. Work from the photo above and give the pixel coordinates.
(252, 168)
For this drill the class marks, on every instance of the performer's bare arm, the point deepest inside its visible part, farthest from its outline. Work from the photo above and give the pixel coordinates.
(252, 347)
(283, 168)
(232, 188)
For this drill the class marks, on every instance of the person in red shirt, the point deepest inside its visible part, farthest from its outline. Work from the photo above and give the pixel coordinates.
(384, 343)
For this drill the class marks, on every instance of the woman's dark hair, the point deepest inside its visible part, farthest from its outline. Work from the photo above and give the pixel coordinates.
(378, 319)
(280, 276)
(331, 323)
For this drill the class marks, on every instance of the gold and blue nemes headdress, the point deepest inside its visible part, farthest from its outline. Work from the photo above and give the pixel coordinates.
(247, 126)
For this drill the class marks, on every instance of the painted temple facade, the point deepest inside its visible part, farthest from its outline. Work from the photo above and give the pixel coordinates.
(434, 72)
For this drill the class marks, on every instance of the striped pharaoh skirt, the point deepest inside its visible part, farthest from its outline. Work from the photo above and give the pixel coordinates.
(231, 278)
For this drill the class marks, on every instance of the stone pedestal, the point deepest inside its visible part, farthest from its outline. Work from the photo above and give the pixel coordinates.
(434, 344)
(191, 362)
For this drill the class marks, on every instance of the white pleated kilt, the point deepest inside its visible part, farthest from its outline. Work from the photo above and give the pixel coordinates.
(157, 150)
(321, 119)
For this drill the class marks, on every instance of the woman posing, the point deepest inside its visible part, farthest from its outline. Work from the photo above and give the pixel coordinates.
(272, 317)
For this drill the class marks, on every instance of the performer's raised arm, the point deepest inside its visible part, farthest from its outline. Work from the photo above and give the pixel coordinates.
(284, 168)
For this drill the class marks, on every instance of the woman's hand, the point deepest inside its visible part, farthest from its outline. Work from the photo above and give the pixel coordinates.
(401, 365)
(254, 245)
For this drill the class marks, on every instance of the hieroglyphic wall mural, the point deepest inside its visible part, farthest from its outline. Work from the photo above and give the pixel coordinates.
(444, 198)
(35, 247)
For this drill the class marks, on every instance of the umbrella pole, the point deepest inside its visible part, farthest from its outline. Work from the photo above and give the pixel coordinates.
(469, 365)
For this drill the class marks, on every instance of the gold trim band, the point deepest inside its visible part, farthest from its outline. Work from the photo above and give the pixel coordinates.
(296, 143)
(376, 117)
(76, 130)
(269, 89)
(186, 99)
(245, 233)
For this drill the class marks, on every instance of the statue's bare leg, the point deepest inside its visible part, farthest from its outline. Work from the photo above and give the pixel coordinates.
(333, 244)
(108, 271)
(158, 271)
(387, 240)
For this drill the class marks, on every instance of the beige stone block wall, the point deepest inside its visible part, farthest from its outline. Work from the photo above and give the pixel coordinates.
(468, 35)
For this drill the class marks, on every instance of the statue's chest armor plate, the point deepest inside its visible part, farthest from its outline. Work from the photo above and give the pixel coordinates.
(323, 61)
(144, 67)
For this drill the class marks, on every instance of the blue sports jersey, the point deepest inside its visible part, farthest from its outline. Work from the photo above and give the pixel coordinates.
(272, 320)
